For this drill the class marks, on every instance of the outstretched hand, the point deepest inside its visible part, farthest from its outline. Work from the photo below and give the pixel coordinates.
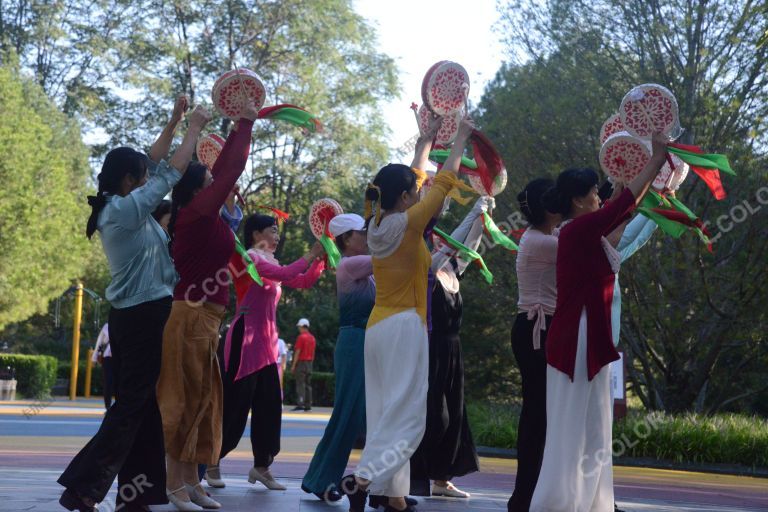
(316, 251)
(465, 129)
(659, 143)
(199, 117)
(250, 111)
(180, 107)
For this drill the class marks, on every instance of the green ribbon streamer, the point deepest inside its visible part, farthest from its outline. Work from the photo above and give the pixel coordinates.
(670, 227)
(709, 161)
(250, 267)
(465, 253)
(295, 116)
(334, 256)
(441, 155)
(496, 235)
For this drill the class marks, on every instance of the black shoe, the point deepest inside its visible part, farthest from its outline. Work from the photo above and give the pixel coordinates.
(330, 496)
(408, 508)
(375, 501)
(307, 408)
(297, 408)
(71, 501)
(355, 495)
(616, 508)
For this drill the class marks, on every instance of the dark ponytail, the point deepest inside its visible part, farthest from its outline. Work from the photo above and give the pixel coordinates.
(118, 163)
(571, 183)
(390, 182)
(530, 200)
(192, 180)
(256, 222)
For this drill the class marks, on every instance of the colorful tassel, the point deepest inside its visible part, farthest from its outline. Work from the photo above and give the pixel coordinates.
(292, 114)
(331, 250)
(706, 166)
(496, 235)
(249, 265)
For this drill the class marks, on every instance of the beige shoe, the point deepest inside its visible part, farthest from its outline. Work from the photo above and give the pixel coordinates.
(266, 478)
(180, 503)
(449, 490)
(200, 498)
(213, 477)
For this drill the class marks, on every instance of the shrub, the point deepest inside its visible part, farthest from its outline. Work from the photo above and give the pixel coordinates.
(36, 375)
(65, 368)
(323, 388)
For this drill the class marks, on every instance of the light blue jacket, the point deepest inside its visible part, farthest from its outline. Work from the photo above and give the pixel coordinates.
(134, 243)
(232, 219)
(638, 232)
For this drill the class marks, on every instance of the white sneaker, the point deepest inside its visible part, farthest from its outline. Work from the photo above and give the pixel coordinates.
(254, 475)
(449, 490)
(201, 498)
(213, 477)
(180, 504)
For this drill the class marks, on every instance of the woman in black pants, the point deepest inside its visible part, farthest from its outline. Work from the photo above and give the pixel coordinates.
(129, 443)
(536, 261)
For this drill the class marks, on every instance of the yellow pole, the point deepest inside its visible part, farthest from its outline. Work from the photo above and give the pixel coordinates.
(76, 341)
(88, 368)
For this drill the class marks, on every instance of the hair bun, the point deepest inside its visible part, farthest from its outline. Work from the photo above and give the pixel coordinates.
(98, 201)
(373, 192)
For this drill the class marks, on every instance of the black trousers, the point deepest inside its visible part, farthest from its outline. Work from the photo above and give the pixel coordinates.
(447, 449)
(108, 379)
(258, 393)
(129, 443)
(532, 428)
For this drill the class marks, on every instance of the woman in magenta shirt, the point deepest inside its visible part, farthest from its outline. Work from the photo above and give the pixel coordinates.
(251, 379)
(576, 471)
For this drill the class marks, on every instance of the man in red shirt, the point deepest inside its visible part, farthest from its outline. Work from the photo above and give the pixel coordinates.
(303, 355)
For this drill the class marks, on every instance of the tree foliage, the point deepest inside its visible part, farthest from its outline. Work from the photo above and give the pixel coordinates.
(43, 170)
(693, 322)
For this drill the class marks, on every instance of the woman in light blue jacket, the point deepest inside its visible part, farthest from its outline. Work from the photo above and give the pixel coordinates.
(129, 443)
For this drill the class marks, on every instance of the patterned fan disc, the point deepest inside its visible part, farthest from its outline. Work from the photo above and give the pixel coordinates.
(499, 184)
(208, 149)
(320, 215)
(623, 156)
(610, 126)
(445, 87)
(650, 108)
(231, 90)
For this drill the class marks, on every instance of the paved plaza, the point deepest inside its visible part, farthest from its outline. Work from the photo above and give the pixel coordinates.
(38, 440)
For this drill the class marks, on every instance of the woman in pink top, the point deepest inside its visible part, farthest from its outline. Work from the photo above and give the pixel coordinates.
(189, 388)
(536, 260)
(251, 379)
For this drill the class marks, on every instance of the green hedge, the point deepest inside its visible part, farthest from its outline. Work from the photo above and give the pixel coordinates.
(323, 388)
(36, 375)
(97, 387)
(687, 438)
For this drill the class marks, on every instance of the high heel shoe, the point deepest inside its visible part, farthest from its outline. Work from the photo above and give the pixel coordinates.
(201, 498)
(266, 478)
(70, 500)
(213, 477)
(184, 506)
(375, 501)
(355, 494)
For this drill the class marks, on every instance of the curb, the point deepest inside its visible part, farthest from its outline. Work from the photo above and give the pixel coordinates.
(719, 469)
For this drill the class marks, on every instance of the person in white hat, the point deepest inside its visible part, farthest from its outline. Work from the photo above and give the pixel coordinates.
(303, 357)
(356, 291)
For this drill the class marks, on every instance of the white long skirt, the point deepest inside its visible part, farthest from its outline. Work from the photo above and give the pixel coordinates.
(577, 469)
(396, 381)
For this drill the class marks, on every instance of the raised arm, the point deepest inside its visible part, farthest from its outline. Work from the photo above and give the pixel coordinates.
(639, 186)
(183, 154)
(636, 235)
(159, 150)
(285, 273)
(420, 214)
(424, 145)
(356, 267)
(308, 278)
(469, 233)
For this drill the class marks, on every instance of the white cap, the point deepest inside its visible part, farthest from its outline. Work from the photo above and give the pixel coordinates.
(344, 222)
(303, 323)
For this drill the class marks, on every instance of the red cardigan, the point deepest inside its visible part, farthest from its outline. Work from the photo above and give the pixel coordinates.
(585, 280)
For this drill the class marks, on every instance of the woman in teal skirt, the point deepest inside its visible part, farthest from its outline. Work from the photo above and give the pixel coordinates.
(356, 291)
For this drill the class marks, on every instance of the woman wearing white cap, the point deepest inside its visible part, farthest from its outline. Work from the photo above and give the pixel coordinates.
(356, 291)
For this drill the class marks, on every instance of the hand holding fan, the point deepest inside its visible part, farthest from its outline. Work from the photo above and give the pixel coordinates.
(320, 215)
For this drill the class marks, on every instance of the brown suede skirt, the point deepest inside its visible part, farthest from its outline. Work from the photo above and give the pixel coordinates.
(189, 390)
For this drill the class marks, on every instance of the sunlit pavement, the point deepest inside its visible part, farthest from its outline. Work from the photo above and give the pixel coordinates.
(37, 440)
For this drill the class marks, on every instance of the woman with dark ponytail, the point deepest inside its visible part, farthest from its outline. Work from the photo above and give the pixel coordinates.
(129, 443)
(396, 343)
(576, 470)
(537, 296)
(189, 388)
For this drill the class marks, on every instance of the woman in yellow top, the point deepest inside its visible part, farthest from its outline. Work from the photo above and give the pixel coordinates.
(396, 344)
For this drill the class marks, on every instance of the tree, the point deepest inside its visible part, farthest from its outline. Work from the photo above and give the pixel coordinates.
(44, 171)
(693, 325)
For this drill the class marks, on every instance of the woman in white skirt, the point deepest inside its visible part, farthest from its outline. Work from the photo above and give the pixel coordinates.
(396, 346)
(576, 473)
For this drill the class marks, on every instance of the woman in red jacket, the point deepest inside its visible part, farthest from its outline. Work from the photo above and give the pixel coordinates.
(576, 472)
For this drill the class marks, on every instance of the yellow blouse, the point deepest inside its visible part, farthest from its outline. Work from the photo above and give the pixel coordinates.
(401, 277)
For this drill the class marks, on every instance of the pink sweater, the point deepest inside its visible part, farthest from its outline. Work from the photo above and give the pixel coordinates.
(536, 273)
(258, 309)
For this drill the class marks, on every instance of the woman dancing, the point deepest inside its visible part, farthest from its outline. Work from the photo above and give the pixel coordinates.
(356, 292)
(576, 472)
(396, 345)
(129, 443)
(189, 389)
(537, 296)
(251, 379)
